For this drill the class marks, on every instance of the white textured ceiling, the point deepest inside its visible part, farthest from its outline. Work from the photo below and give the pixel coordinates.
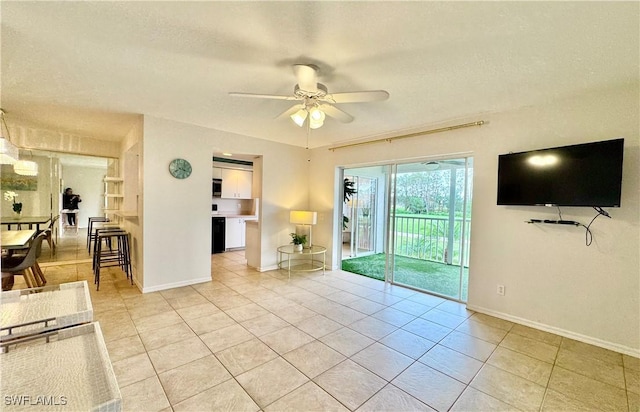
(90, 67)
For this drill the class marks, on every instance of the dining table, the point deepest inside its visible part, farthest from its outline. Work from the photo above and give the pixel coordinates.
(17, 239)
(25, 221)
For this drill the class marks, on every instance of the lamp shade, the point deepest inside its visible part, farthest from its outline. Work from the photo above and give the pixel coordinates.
(25, 168)
(303, 217)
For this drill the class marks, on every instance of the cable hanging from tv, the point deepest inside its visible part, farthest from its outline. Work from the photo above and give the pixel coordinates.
(588, 234)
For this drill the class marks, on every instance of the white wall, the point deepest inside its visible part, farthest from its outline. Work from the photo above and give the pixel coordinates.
(177, 213)
(553, 281)
(87, 182)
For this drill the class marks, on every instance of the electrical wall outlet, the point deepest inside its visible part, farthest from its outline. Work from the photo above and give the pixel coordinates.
(239, 206)
(500, 290)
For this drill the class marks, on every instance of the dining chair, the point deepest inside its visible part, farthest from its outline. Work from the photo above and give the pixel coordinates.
(25, 265)
(49, 232)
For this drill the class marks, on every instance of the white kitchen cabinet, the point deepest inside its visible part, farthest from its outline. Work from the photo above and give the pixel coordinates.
(233, 235)
(245, 181)
(236, 184)
(235, 232)
(217, 173)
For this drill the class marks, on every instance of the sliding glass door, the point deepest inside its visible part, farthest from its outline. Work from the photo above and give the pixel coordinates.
(409, 224)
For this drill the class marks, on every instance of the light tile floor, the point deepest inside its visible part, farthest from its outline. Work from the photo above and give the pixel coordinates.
(70, 247)
(249, 341)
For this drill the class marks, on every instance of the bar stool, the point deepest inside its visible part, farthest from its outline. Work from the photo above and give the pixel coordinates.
(106, 239)
(120, 256)
(90, 228)
(101, 226)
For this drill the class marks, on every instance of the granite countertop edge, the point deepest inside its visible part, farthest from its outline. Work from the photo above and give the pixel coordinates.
(223, 214)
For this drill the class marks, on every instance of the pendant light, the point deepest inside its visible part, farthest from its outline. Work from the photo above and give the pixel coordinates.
(25, 168)
(8, 151)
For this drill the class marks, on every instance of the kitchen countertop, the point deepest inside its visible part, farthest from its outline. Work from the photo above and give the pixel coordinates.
(232, 215)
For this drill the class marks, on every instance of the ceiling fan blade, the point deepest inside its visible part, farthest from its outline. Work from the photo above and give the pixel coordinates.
(356, 97)
(290, 111)
(263, 96)
(334, 112)
(307, 77)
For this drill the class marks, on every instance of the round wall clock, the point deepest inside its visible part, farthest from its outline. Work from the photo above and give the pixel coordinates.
(180, 168)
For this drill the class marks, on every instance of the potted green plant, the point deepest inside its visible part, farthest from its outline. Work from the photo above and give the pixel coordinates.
(298, 241)
(348, 191)
(17, 206)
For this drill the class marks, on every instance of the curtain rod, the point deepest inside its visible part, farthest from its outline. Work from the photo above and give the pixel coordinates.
(432, 131)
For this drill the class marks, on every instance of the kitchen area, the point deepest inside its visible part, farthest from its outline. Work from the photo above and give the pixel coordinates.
(234, 207)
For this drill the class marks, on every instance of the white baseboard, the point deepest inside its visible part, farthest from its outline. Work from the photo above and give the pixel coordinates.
(175, 284)
(137, 283)
(635, 352)
(267, 268)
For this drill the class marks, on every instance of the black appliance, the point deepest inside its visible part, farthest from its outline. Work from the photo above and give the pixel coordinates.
(217, 187)
(587, 174)
(217, 234)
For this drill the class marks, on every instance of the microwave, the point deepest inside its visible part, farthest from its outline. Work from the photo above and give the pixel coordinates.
(217, 187)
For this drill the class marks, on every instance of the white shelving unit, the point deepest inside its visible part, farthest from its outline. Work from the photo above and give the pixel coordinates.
(113, 196)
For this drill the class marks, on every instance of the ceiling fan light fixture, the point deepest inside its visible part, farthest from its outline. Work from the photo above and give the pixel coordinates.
(317, 115)
(315, 124)
(430, 166)
(299, 117)
(314, 100)
(316, 118)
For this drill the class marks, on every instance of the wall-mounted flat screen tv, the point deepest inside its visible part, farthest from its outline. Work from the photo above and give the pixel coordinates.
(587, 174)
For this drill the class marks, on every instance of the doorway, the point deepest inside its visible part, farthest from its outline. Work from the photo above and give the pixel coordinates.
(410, 225)
(41, 196)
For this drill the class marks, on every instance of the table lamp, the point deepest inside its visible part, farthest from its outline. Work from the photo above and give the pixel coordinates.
(303, 219)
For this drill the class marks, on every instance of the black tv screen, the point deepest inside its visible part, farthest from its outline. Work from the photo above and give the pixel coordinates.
(587, 174)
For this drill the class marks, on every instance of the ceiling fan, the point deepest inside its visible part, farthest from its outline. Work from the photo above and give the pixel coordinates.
(314, 99)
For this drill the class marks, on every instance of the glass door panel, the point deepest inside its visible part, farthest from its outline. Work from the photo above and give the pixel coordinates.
(364, 221)
(430, 226)
(364, 209)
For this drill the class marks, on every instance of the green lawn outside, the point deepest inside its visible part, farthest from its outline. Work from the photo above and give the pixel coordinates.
(423, 274)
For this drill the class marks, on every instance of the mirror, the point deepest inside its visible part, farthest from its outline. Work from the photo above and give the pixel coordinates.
(41, 195)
